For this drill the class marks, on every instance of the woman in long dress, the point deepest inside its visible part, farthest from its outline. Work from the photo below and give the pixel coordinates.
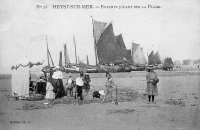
(58, 84)
(152, 89)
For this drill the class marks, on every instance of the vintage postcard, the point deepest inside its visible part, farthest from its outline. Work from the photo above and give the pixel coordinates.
(99, 64)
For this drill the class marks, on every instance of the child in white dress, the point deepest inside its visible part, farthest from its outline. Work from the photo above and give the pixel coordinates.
(49, 91)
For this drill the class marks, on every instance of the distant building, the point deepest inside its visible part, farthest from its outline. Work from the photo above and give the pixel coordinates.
(197, 61)
(188, 62)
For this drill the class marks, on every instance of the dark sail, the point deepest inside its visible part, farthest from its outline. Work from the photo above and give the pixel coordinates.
(168, 61)
(107, 49)
(157, 58)
(129, 51)
(98, 29)
(151, 59)
(125, 54)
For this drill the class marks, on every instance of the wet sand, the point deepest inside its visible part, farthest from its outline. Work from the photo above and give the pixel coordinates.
(181, 86)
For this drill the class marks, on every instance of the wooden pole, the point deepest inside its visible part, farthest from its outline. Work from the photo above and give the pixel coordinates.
(116, 100)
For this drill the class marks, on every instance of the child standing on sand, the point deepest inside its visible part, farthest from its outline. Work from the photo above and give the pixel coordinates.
(109, 86)
(49, 90)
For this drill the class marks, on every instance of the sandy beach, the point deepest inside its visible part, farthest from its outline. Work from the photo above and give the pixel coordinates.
(176, 107)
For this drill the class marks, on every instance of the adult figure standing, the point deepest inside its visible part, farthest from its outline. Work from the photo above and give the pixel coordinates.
(41, 84)
(58, 84)
(152, 80)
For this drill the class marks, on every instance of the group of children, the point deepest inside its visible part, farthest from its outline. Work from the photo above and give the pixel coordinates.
(74, 87)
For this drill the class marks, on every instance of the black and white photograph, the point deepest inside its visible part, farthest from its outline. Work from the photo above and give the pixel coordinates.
(100, 65)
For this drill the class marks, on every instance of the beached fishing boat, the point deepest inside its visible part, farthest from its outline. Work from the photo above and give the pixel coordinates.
(110, 49)
(111, 53)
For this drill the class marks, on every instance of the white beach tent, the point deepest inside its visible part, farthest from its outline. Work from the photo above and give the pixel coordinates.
(20, 77)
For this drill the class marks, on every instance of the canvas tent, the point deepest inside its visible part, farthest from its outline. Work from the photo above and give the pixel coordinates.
(21, 77)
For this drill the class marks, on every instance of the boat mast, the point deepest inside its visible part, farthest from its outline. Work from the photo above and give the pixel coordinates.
(95, 50)
(47, 52)
(78, 60)
(75, 48)
(60, 59)
(87, 60)
(65, 54)
(51, 59)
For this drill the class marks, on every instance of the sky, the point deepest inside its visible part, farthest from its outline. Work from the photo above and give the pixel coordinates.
(173, 29)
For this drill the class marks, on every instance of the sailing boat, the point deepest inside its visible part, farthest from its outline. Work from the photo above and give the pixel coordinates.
(110, 50)
(75, 67)
(168, 64)
(139, 60)
(138, 55)
(154, 59)
(69, 67)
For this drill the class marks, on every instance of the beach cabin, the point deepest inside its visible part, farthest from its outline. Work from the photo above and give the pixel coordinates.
(21, 76)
